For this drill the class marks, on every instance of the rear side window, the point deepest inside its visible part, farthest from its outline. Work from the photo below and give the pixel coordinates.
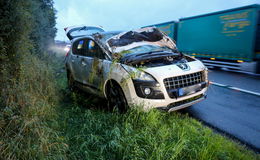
(79, 47)
(93, 50)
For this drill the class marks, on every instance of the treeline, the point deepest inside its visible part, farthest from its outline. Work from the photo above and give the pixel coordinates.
(26, 27)
(28, 94)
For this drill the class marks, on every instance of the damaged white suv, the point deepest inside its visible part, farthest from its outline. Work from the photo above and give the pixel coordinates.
(139, 67)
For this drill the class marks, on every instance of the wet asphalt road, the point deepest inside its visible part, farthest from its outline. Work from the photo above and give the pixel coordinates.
(240, 80)
(234, 113)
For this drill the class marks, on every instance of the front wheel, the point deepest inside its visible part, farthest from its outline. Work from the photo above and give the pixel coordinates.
(116, 98)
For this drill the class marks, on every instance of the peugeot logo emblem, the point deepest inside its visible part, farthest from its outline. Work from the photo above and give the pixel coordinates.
(183, 66)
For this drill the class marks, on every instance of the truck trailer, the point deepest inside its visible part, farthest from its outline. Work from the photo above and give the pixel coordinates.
(225, 39)
(229, 39)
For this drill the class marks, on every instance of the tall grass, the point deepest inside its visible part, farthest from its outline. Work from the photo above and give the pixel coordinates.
(95, 134)
(28, 119)
(92, 132)
(44, 120)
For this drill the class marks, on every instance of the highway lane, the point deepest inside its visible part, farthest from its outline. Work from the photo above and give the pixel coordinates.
(232, 112)
(240, 80)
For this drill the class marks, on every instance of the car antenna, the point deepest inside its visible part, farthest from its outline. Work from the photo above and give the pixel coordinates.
(83, 28)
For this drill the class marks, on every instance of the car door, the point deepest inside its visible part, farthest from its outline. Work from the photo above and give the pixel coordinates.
(78, 49)
(93, 71)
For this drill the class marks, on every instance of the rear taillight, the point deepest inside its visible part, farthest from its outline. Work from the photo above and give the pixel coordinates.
(66, 55)
(67, 49)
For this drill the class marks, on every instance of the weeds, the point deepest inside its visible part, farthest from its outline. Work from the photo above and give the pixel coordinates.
(95, 134)
(54, 123)
(29, 117)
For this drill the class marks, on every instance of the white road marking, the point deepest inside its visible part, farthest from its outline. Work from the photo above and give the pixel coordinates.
(235, 88)
(245, 91)
(217, 84)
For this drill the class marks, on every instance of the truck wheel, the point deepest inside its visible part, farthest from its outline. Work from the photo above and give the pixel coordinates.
(116, 98)
(217, 68)
(258, 67)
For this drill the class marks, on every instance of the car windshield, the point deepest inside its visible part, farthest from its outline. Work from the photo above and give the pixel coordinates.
(144, 49)
(140, 41)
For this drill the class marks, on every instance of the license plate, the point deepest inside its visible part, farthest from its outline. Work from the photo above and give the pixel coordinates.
(189, 90)
(181, 92)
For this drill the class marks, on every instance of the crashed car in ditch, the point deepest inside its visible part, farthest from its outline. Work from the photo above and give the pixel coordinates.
(139, 67)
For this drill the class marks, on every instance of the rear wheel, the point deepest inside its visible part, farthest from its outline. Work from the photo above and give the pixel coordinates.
(71, 82)
(116, 98)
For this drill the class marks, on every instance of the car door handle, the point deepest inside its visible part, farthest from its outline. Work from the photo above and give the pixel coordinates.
(83, 63)
(72, 60)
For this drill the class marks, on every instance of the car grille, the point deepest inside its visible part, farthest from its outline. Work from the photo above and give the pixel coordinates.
(182, 81)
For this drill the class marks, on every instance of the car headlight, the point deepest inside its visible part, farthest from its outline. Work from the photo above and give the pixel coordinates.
(138, 74)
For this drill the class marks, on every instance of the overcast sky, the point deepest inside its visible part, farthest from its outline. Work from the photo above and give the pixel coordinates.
(130, 14)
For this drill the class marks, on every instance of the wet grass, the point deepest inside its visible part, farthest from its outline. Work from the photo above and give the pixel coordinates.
(58, 124)
(93, 132)
(98, 134)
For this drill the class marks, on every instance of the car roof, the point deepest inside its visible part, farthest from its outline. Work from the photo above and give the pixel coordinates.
(109, 34)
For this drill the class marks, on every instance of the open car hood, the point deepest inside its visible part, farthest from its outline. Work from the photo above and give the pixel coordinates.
(139, 37)
(78, 31)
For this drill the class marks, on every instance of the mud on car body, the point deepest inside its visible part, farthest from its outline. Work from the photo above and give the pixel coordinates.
(141, 67)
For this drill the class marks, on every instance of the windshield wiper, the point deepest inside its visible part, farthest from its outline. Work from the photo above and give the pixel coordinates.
(175, 50)
(140, 54)
(129, 58)
(151, 52)
(136, 59)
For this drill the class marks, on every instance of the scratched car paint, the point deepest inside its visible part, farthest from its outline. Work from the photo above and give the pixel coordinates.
(139, 67)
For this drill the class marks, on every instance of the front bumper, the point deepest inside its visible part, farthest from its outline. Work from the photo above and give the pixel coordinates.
(183, 104)
(175, 97)
(169, 104)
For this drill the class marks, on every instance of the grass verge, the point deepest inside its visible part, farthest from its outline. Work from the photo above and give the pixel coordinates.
(94, 133)
(48, 122)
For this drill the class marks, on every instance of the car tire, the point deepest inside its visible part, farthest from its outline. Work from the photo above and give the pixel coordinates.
(116, 98)
(71, 82)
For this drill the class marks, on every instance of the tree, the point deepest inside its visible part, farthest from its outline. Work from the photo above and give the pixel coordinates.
(27, 27)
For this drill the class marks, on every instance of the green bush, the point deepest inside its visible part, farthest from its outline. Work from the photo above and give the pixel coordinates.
(28, 93)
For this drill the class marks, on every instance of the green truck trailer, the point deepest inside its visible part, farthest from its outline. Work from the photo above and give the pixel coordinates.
(227, 39)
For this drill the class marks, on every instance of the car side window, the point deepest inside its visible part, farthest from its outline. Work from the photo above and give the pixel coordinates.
(93, 50)
(79, 47)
